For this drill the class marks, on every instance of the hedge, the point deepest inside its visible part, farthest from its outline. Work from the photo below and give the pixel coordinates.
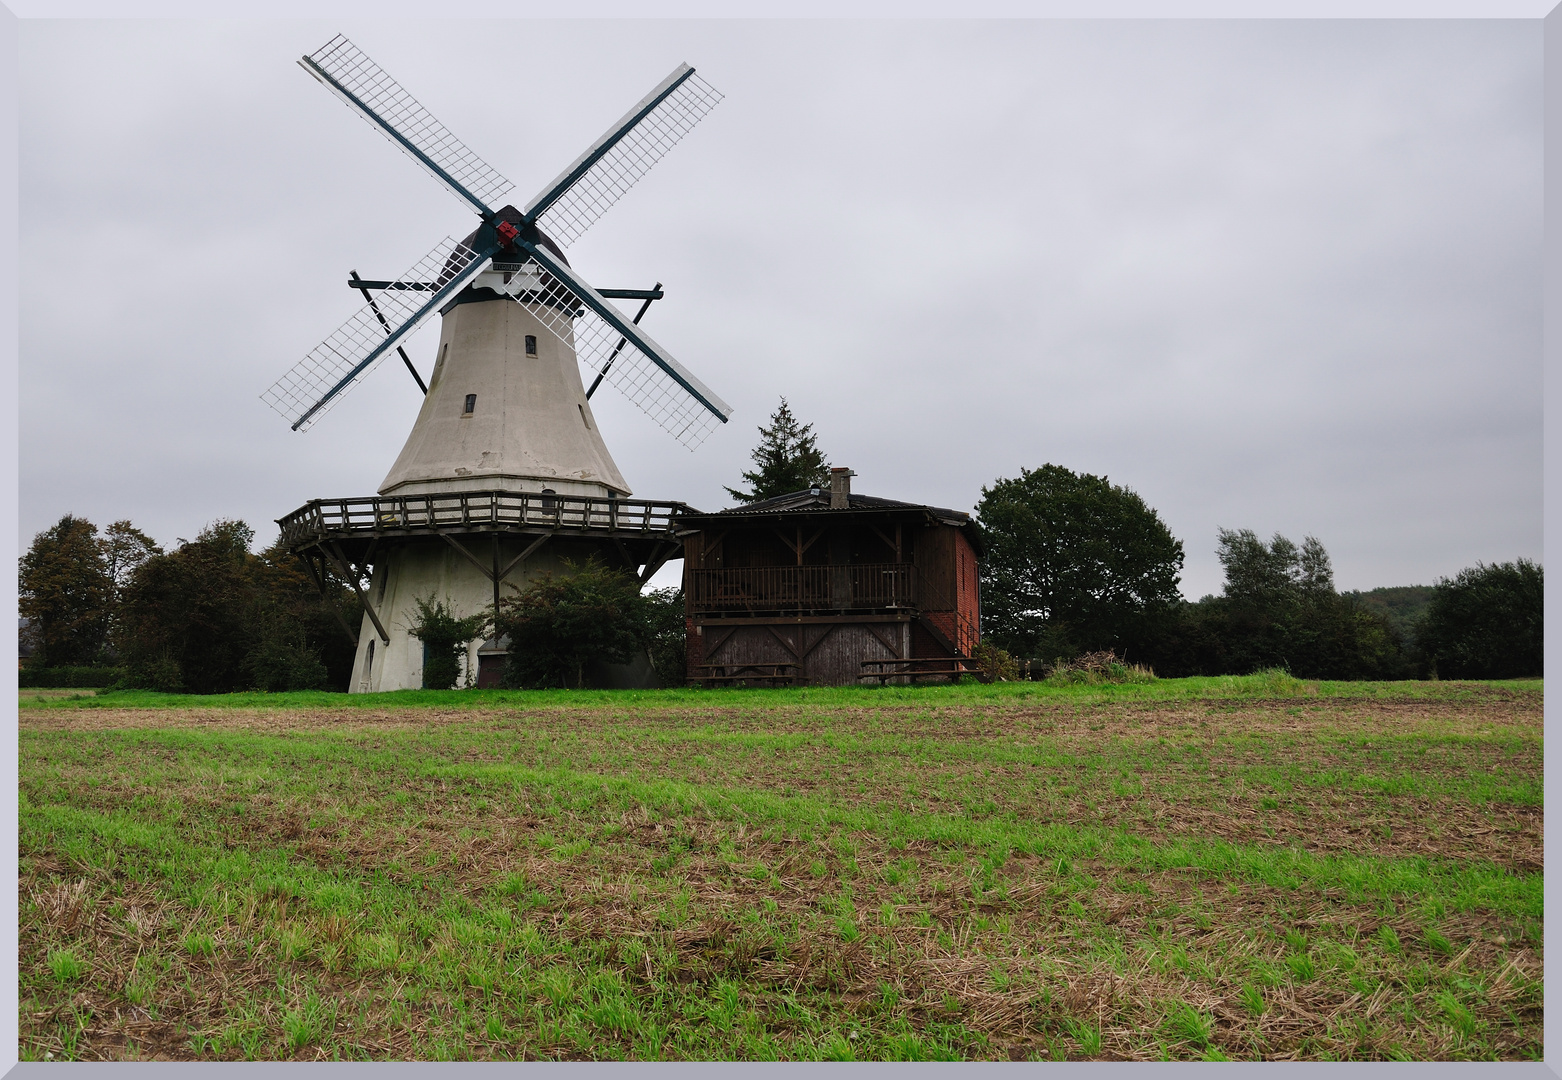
(69, 676)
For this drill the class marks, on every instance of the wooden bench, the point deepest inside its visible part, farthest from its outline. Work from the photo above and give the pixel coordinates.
(781, 674)
(929, 667)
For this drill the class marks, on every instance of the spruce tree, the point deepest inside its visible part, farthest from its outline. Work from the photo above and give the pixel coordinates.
(787, 457)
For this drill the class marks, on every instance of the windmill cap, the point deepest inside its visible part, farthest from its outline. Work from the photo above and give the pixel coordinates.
(515, 217)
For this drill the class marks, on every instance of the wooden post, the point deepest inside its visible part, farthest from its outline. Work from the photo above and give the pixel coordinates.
(496, 576)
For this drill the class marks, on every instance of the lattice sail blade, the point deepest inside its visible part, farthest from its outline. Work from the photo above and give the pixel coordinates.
(338, 363)
(349, 74)
(635, 365)
(613, 164)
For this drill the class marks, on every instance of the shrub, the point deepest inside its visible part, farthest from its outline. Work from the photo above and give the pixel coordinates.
(996, 665)
(560, 625)
(1097, 669)
(155, 670)
(69, 677)
(282, 661)
(445, 638)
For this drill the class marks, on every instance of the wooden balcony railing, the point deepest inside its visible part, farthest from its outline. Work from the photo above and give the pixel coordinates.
(802, 588)
(477, 511)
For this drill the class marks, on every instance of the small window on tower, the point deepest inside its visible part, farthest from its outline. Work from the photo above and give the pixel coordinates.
(531, 344)
(471, 405)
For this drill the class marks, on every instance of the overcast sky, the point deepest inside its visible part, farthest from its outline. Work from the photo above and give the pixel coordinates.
(1275, 275)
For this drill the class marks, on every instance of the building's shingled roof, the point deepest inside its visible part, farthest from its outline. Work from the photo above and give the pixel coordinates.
(817, 500)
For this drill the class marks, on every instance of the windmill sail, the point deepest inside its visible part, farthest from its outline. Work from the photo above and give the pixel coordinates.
(349, 74)
(642, 370)
(600, 335)
(308, 391)
(613, 164)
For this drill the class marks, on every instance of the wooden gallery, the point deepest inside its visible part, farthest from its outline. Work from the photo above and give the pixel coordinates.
(827, 587)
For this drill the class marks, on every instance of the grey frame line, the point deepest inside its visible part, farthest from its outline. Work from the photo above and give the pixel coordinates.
(599, 149)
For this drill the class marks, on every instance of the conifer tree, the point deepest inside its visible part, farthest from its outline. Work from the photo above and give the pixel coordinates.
(787, 457)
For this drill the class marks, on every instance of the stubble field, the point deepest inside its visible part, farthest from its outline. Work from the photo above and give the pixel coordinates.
(1204, 868)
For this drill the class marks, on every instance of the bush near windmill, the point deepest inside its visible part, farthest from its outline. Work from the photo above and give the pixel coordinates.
(560, 627)
(445, 638)
(211, 617)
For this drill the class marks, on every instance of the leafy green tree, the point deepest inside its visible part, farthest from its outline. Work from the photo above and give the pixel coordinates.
(667, 635)
(1279, 609)
(1074, 564)
(67, 593)
(1274, 574)
(560, 626)
(787, 460)
(187, 617)
(445, 637)
(1488, 622)
(124, 548)
(301, 640)
(1400, 605)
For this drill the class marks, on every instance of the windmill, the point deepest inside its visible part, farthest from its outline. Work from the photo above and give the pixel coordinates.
(504, 475)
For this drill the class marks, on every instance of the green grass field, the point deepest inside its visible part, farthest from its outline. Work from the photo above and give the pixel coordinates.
(1200, 868)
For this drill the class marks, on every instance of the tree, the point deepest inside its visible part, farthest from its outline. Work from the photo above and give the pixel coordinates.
(667, 635)
(188, 618)
(1074, 564)
(787, 458)
(445, 638)
(1488, 622)
(559, 626)
(298, 643)
(67, 593)
(124, 548)
(1280, 572)
(1279, 609)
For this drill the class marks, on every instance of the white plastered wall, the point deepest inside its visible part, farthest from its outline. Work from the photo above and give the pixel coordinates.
(531, 427)
(409, 572)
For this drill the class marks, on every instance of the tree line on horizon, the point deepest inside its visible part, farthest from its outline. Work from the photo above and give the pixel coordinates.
(1078, 565)
(1074, 565)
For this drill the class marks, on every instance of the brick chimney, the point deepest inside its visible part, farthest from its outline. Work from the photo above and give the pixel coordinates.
(840, 489)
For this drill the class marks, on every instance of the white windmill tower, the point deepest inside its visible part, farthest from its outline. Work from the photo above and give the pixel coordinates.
(504, 475)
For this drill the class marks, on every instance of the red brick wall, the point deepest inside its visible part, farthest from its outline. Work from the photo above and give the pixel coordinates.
(695, 646)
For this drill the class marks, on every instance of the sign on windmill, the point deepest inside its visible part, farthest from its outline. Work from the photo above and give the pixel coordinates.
(504, 476)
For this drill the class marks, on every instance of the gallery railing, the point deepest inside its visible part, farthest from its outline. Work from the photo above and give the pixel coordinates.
(856, 587)
(477, 510)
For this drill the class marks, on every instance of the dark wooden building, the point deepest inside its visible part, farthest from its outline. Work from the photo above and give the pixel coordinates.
(827, 587)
